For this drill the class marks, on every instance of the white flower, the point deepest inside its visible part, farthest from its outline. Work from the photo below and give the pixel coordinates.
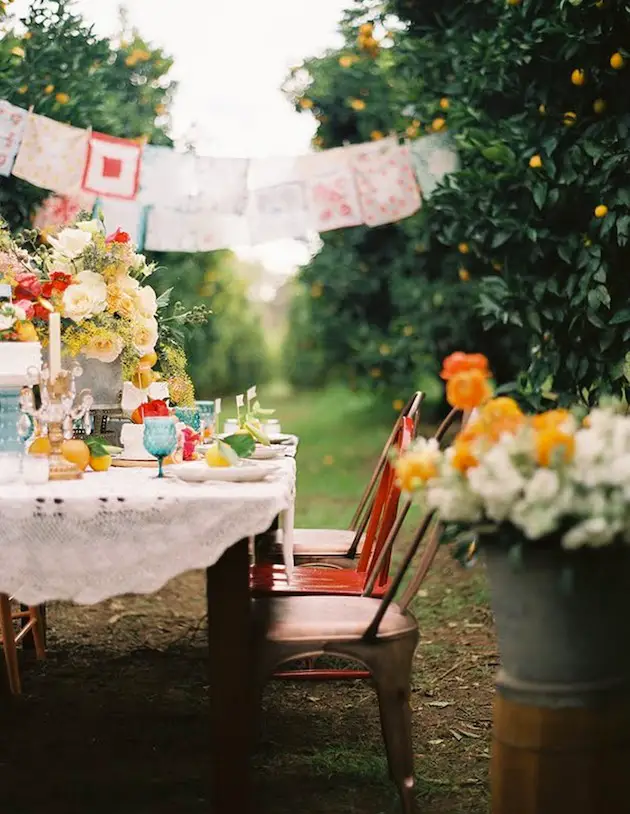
(93, 227)
(9, 315)
(454, 504)
(147, 301)
(158, 390)
(497, 481)
(106, 349)
(70, 243)
(85, 298)
(543, 487)
(594, 532)
(145, 335)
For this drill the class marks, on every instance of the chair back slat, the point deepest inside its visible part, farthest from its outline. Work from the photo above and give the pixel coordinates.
(367, 503)
(425, 561)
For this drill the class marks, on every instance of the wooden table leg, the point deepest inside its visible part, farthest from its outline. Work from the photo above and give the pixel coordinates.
(232, 691)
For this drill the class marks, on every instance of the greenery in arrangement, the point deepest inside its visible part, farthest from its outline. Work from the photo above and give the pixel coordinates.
(519, 254)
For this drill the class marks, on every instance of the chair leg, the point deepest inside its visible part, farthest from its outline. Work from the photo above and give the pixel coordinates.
(393, 686)
(8, 644)
(38, 632)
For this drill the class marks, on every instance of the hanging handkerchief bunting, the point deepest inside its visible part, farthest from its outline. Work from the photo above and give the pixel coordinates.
(222, 184)
(279, 212)
(386, 183)
(112, 168)
(52, 155)
(166, 177)
(58, 211)
(331, 192)
(12, 123)
(434, 157)
(129, 216)
(189, 228)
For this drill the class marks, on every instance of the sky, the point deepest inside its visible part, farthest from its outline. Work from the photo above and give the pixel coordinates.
(231, 58)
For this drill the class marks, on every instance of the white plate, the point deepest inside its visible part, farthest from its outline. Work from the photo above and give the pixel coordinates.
(199, 472)
(263, 453)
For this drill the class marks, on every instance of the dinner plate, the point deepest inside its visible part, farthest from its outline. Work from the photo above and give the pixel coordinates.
(200, 472)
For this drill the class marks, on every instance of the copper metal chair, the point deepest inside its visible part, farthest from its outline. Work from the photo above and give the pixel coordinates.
(32, 623)
(342, 547)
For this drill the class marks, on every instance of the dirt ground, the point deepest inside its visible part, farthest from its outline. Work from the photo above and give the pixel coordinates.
(115, 720)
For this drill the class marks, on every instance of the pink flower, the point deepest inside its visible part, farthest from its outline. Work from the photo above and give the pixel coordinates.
(27, 306)
(28, 285)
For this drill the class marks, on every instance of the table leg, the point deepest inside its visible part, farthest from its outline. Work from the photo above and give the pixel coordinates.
(232, 688)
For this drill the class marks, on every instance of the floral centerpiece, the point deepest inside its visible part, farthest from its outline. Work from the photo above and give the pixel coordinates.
(547, 499)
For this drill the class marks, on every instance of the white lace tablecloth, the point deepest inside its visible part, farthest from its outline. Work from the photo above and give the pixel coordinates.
(125, 531)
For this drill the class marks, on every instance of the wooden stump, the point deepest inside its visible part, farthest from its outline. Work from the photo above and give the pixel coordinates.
(548, 760)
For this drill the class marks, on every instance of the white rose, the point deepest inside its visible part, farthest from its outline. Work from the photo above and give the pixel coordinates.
(145, 335)
(106, 349)
(594, 532)
(147, 301)
(93, 227)
(70, 243)
(9, 315)
(84, 300)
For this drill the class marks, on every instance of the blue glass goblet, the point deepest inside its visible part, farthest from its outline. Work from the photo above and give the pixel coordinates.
(160, 438)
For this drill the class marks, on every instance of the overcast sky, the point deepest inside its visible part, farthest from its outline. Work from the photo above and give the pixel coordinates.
(231, 58)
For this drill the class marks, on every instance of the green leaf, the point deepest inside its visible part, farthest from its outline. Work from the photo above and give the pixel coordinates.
(243, 444)
(623, 315)
(164, 298)
(539, 193)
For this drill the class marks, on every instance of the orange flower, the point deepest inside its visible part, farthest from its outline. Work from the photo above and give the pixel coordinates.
(463, 457)
(550, 420)
(554, 445)
(415, 469)
(501, 416)
(459, 362)
(468, 389)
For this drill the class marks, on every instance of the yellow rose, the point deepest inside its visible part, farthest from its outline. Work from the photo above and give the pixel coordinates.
(105, 348)
(145, 335)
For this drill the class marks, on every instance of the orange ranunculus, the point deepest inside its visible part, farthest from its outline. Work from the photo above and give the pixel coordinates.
(468, 389)
(552, 444)
(552, 419)
(501, 416)
(463, 456)
(459, 362)
(25, 332)
(414, 469)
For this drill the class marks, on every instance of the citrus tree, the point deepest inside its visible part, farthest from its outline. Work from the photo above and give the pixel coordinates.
(53, 62)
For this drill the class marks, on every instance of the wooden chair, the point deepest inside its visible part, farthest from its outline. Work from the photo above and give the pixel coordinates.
(322, 578)
(10, 639)
(342, 547)
(381, 634)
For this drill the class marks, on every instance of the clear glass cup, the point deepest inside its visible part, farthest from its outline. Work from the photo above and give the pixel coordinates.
(35, 469)
(160, 438)
(208, 419)
(230, 426)
(10, 467)
(272, 427)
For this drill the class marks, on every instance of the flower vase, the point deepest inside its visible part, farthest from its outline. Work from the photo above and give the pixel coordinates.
(104, 380)
(15, 360)
(561, 734)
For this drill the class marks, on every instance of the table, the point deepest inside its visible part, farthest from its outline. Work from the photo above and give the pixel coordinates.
(125, 531)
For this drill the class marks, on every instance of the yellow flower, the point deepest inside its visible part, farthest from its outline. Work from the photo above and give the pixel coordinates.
(62, 98)
(306, 103)
(444, 104)
(106, 347)
(464, 275)
(408, 330)
(569, 118)
(601, 211)
(25, 332)
(535, 162)
(554, 445)
(18, 52)
(398, 404)
(578, 77)
(385, 350)
(463, 456)
(160, 110)
(438, 124)
(376, 373)
(599, 106)
(28, 35)
(463, 248)
(366, 29)
(49, 89)
(617, 61)
(415, 468)
(376, 135)
(22, 89)
(552, 419)
(357, 104)
(317, 289)
(346, 61)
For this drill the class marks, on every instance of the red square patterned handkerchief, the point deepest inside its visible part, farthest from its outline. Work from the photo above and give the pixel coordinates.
(112, 169)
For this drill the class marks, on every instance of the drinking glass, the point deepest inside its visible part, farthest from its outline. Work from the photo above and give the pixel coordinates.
(35, 469)
(160, 438)
(190, 416)
(230, 426)
(10, 466)
(206, 411)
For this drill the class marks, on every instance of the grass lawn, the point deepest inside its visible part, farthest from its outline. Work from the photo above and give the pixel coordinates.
(117, 714)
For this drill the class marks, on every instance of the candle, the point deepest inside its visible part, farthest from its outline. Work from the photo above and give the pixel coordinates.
(54, 350)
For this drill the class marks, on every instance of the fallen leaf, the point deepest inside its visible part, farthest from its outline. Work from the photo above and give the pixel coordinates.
(436, 742)
(440, 704)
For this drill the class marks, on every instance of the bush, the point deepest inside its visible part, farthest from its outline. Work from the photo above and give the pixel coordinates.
(303, 356)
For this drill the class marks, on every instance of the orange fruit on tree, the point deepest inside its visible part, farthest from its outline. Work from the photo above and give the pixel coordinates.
(40, 446)
(100, 463)
(77, 452)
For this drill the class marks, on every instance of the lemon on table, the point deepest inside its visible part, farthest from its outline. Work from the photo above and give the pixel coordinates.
(77, 452)
(216, 457)
(100, 463)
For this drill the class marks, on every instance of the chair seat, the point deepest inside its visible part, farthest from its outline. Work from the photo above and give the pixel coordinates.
(267, 578)
(329, 618)
(322, 542)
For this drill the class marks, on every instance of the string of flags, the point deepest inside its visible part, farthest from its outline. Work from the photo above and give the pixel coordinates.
(171, 201)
